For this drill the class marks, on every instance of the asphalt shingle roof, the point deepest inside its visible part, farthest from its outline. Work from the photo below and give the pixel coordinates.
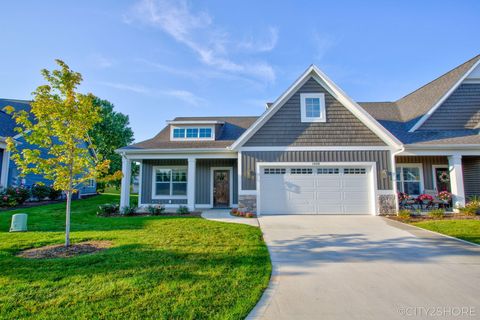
(7, 124)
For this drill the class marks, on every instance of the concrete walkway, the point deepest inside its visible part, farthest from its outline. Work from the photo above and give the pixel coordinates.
(225, 216)
(365, 267)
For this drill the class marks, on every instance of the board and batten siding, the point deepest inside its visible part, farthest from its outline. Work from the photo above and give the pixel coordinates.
(427, 166)
(250, 159)
(202, 179)
(471, 176)
(460, 111)
(341, 128)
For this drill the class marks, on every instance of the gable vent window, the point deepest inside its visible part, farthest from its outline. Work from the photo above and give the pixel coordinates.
(354, 171)
(301, 171)
(313, 107)
(192, 133)
(275, 171)
(328, 171)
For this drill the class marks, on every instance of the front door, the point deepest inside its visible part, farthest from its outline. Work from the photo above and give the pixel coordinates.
(221, 188)
(442, 179)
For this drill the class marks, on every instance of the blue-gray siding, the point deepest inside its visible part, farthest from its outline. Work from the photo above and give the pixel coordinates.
(460, 111)
(202, 179)
(250, 159)
(342, 128)
(471, 176)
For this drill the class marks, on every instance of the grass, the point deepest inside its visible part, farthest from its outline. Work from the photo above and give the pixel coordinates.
(159, 267)
(468, 230)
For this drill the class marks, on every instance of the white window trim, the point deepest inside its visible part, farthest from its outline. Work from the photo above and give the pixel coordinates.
(303, 107)
(411, 165)
(172, 128)
(154, 170)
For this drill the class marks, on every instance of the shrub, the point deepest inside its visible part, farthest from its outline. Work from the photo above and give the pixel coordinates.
(107, 209)
(250, 215)
(470, 208)
(40, 191)
(183, 210)
(436, 213)
(54, 194)
(156, 210)
(129, 210)
(14, 196)
(7, 201)
(404, 214)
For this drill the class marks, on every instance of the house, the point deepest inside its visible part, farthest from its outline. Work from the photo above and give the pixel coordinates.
(315, 150)
(9, 174)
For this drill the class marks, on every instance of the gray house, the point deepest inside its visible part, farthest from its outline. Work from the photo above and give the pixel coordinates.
(9, 174)
(316, 151)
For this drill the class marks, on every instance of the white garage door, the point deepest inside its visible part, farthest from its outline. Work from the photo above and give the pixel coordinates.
(315, 190)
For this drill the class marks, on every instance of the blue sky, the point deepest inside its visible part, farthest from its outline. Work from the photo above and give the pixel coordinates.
(159, 59)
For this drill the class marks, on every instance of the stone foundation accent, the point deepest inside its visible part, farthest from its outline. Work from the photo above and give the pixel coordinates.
(386, 204)
(247, 203)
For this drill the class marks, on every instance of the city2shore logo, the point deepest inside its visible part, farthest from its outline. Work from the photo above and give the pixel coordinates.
(449, 312)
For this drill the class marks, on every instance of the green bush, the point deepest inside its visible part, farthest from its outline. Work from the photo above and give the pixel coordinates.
(108, 209)
(54, 194)
(183, 210)
(129, 210)
(156, 210)
(436, 213)
(14, 196)
(404, 214)
(40, 191)
(470, 208)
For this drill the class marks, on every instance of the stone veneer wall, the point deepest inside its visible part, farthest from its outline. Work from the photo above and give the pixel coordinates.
(247, 203)
(386, 204)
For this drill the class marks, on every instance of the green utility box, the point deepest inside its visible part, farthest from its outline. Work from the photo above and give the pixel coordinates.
(19, 222)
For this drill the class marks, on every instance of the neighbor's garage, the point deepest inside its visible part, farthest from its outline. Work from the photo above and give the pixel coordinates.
(315, 190)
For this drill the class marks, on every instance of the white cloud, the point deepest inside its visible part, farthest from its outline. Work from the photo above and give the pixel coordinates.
(323, 44)
(100, 61)
(185, 96)
(265, 44)
(197, 31)
(125, 87)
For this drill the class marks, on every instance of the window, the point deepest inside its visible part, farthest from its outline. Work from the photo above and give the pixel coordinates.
(328, 171)
(192, 133)
(170, 182)
(301, 171)
(354, 171)
(409, 179)
(313, 107)
(274, 171)
(91, 183)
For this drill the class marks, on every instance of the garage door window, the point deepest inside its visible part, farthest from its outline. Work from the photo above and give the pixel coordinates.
(301, 171)
(354, 171)
(275, 171)
(409, 180)
(328, 171)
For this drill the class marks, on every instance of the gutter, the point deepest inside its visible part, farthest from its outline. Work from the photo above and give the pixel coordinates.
(443, 146)
(149, 151)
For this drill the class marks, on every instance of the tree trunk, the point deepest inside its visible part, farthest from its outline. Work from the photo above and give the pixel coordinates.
(67, 221)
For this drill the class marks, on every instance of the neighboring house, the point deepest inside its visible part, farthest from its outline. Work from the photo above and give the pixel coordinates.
(315, 150)
(9, 174)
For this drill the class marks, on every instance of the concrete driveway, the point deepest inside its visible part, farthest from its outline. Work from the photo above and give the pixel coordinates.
(365, 267)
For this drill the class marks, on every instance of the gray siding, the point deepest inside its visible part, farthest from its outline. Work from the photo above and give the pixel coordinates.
(471, 176)
(342, 128)
(250, 159)
(202, 179)
(427, 163)
(1, 163)
(460, 111)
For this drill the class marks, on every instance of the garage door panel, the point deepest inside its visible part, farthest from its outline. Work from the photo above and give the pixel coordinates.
(329, 208)
(329, 197)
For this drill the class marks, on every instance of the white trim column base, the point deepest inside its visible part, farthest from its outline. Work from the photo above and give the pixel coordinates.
(125, 187)
(456, 181)
(191, 183)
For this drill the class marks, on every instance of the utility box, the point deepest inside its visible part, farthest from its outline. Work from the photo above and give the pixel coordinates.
(19, 222)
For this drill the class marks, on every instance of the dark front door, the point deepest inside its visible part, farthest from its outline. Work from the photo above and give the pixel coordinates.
(221, 188)
(442, 179)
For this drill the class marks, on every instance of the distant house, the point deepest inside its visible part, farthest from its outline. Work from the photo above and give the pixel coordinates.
(9, 174)
(317, 151)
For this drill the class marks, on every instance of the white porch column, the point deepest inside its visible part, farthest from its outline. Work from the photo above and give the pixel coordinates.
(456, 180)
(5, 165)
(191, 183)
(125, 187)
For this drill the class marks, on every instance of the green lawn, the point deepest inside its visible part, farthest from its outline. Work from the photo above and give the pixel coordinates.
(468, 230)
(159, 267)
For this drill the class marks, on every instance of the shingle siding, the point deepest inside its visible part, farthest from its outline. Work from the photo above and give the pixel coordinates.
(342, 128)
(250, 159)
(471, 176)
(460, 111)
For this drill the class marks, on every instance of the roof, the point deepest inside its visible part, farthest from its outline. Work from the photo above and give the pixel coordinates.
(231, 130)
(7, 124)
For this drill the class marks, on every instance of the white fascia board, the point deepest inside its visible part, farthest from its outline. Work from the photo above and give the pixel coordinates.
(441, 150)
(335, 91)
(195, 122)
(319, 148)
(427, 115)
(192, 155)
(179, 150)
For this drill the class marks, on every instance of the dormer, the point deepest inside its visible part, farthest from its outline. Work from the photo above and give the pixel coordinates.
(199, 130)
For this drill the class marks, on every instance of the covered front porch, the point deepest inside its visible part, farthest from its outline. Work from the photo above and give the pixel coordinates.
(197, 181)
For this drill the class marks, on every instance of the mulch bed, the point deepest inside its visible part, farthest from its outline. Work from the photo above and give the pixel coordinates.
(164, 214)
(60, 251)
(427, 218)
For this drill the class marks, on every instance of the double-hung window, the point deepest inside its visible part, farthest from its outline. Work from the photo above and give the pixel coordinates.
(409, 179)
(169, 182)
(313, 107)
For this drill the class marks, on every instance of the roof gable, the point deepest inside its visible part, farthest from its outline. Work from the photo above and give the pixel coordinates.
(331, 88)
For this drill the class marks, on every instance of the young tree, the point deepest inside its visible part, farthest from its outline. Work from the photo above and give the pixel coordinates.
(59, 122)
